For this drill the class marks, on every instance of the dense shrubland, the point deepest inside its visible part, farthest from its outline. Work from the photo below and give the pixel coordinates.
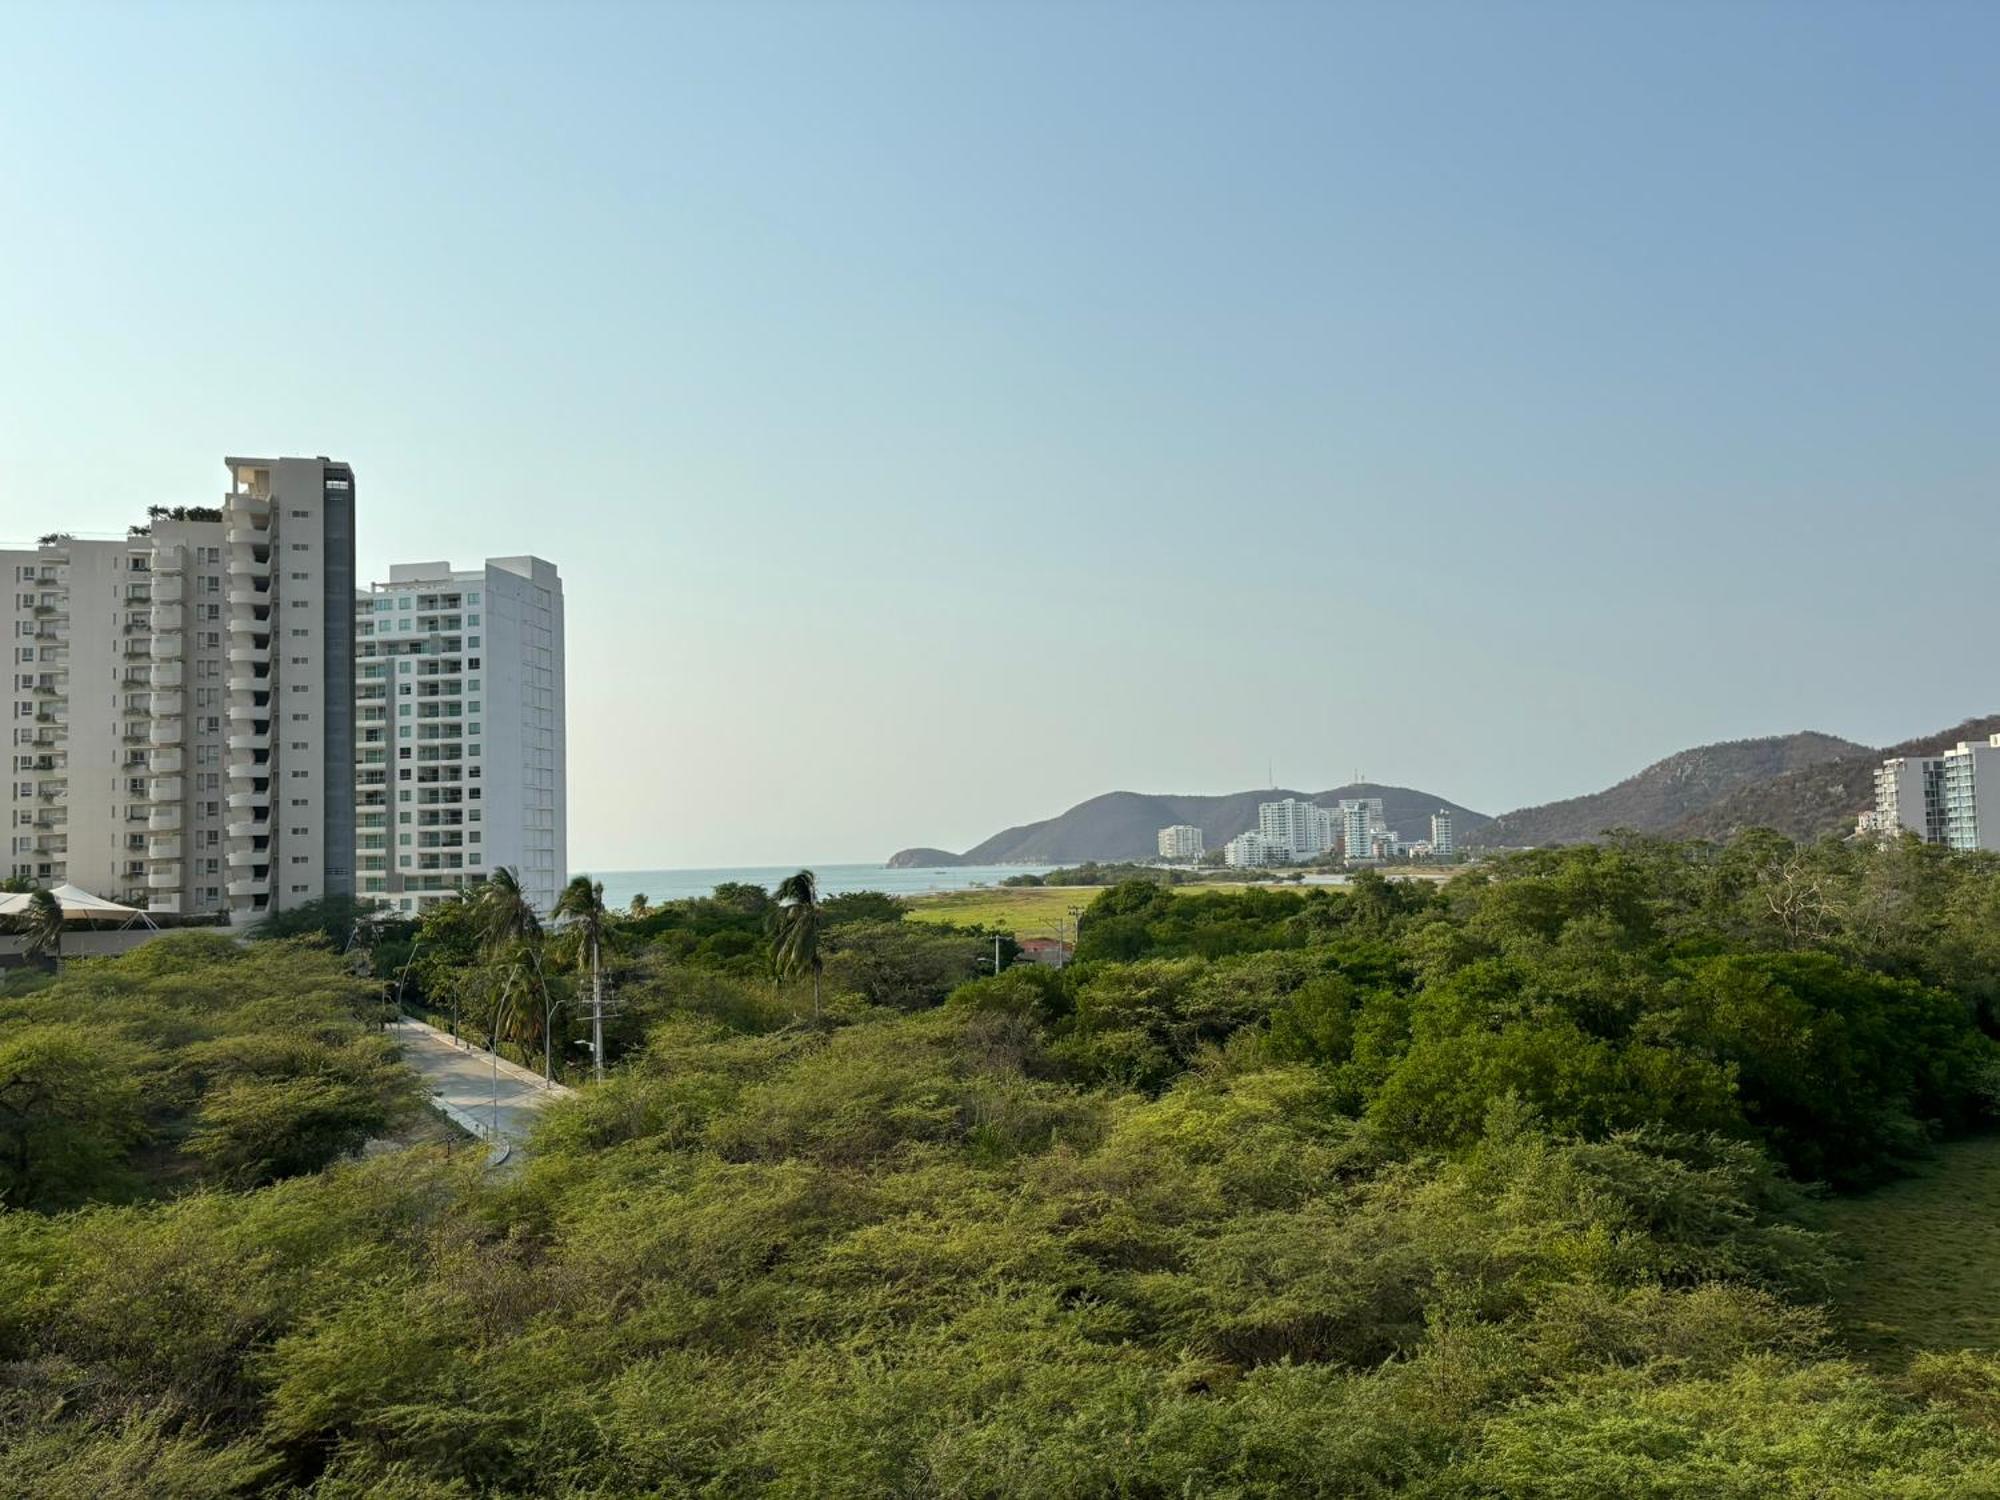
(1502, 1189)
(190, 1061)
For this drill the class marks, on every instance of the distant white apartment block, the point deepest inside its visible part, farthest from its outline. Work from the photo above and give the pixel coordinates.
(1909, 797)
(182, 696)
(1180, 842)
(1252, 851)
(461, 757)
(1361, 821)
(1972, 795)
(1301, 829)
(1444, 844)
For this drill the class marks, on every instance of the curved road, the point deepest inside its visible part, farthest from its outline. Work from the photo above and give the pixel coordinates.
(474, 1088)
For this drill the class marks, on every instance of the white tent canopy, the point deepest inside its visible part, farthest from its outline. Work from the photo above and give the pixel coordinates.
(77, 905)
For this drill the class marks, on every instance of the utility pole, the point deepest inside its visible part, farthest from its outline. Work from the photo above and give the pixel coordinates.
(404, 978)
(596, 1012)
(498, 1019)
(996, 953)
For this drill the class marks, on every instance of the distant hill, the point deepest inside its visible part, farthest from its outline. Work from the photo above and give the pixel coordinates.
(1669, 791)
(923, 859)
(1813, 801)
(1126, 825)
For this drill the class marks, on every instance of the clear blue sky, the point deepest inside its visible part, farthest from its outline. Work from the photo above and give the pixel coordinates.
(942, 414)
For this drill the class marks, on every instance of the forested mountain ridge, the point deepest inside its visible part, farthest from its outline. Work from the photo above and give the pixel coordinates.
(1664, 793)
(1814, 801)
(1126, 825)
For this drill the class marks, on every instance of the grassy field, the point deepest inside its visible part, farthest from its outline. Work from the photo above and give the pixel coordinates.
(1034, 911)
(1927, 1274)
(1024, 911)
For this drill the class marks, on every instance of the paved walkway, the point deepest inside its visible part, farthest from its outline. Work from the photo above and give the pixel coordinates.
(493, 1098)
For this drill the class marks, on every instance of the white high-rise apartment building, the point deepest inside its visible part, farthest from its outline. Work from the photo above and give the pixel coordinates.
(1444, 843)
(1252, 851)
(1361, 820)
(1972, 795)
(1182, 841)
(1301, 829)
(460, 759)
(1909, 797)
(182, 695)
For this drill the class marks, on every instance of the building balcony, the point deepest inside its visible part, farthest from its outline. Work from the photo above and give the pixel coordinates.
(248, 681)
(167, 674)
(250, 740)
(248, 857)
(164, 705)
(249, 886)
(167, 903)
(167, 644)
(167, 560)
(165, 789)
(164, 846)
(249, 596)
(257, 826)
(255, 656)
(164, 819)
(165, 877)
(246, 522)
(165, 732)
(166, 590)
(165, 761)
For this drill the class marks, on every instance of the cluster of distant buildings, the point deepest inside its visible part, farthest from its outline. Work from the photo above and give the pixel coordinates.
(1951, 799)
(1294, 831)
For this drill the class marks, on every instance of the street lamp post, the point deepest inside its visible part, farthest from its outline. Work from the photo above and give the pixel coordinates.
(499, 1020)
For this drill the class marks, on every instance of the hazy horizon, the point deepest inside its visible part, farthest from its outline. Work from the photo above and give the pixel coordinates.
(941, 416)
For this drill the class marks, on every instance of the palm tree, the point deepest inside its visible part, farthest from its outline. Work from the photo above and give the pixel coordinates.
(581, 905)
(797, 948)
(506, 915)
(640, 907)
(509, 929)
(42, 928)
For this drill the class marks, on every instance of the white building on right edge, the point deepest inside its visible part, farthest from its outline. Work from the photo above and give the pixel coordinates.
(461, 757)
(1951, 799)
(1972, 795)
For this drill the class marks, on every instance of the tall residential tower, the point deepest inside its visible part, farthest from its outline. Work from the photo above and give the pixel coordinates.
(181, 731)
(461, 760)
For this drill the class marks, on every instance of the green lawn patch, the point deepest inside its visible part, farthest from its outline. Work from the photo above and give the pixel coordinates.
(1927, 1258)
